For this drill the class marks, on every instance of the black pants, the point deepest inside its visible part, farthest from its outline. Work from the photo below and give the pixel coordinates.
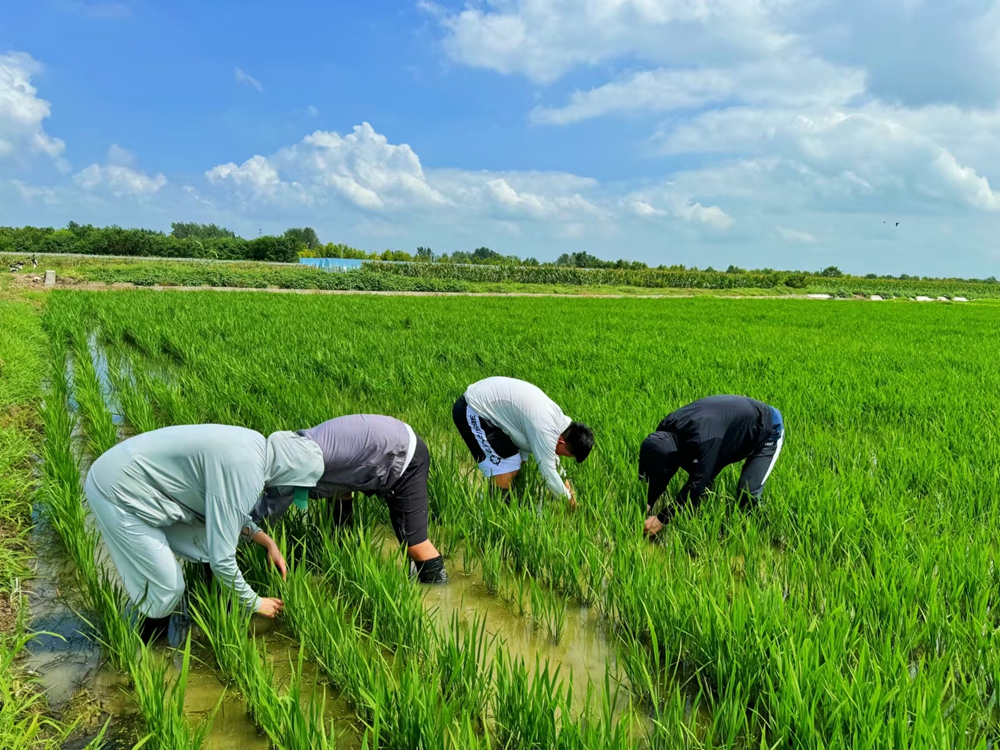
(758, 466)
(407, 500)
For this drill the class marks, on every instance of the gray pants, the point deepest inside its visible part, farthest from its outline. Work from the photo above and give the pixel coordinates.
(146, 556)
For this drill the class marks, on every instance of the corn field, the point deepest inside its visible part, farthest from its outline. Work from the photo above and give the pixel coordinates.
(857, 608)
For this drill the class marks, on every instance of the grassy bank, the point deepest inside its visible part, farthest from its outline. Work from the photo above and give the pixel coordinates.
(24, 723)
(419, 277)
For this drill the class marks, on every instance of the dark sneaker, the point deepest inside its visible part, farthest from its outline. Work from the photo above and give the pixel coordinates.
(429, 571)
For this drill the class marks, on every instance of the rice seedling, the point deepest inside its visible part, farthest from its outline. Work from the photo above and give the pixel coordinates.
(464, 672)
(526, 710)
(855, 608)
(160, 702)
(548, 610)
(220, 616)
(492, 566)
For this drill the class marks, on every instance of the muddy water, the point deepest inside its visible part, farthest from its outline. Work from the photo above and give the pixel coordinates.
(584, 654)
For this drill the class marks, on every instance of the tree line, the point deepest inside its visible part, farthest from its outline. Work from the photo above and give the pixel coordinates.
(210, 241)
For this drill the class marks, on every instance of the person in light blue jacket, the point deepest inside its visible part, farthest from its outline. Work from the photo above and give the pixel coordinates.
(187, 491)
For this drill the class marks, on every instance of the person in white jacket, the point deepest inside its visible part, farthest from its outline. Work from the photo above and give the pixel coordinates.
(503, 420)
(187, 491)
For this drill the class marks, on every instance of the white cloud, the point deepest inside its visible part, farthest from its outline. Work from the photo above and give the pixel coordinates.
(312, 111)
(795, 235)
(544, 39)
(362, 168)
(844, 106)
(119, 177)
(712, 216)
(866, 156)
(121, 157)
(34, 192)
(245, 78)
(797, 81)
(22, 112)
(254, 178)
(644, 209)
(363, 171)
(916, 52)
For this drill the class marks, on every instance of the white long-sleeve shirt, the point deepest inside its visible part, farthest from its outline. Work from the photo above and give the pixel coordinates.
(532, 420)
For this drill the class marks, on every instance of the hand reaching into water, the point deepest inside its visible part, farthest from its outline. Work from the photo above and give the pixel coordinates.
(270, 607)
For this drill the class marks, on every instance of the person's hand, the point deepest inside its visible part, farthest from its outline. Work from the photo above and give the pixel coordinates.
(277, 559)
(572, 495)
(270, 607)
(652, 526)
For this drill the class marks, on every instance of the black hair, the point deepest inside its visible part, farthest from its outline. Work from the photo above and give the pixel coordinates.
(580, 440)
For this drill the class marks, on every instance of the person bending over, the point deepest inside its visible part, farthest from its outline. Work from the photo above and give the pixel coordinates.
(703, 438)
(187, 491)
(379, 456)
(503, 420)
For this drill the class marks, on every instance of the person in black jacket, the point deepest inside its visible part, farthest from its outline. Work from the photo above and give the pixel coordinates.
(703, 438)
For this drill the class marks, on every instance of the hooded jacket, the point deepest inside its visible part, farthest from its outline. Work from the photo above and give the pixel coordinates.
(702, 438)
(209, 475)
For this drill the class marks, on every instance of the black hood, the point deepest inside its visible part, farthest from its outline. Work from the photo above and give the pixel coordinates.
(658, 455)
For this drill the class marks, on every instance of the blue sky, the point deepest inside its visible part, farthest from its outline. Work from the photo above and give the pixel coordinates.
(764, 133)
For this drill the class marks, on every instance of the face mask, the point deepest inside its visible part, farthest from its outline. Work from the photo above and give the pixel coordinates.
(301, 498)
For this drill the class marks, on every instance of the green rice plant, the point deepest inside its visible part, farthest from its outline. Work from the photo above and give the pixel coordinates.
(392, 697)
(853, 609)
(492, 568)
(526, 710)
(386, 601)
(548, 610)
(603, 727)
(463, 669)
(226, 624)
(92, 397)
(160, 702)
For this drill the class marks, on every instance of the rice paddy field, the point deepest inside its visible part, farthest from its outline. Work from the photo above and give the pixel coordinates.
(856, 609)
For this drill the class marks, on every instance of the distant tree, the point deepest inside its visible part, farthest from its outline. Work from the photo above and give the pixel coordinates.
(278, 249)
(193, 231)
(871, 275)
(831, 272)
(991, 280)
(460, 257)
(735, 269)
(398, 255)
(485, 255)
(564, 260)
(425, 255)
(531, 262)
(304, 238)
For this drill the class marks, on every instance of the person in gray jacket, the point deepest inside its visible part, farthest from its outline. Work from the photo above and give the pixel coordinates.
(374, 455)
(187, 491)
